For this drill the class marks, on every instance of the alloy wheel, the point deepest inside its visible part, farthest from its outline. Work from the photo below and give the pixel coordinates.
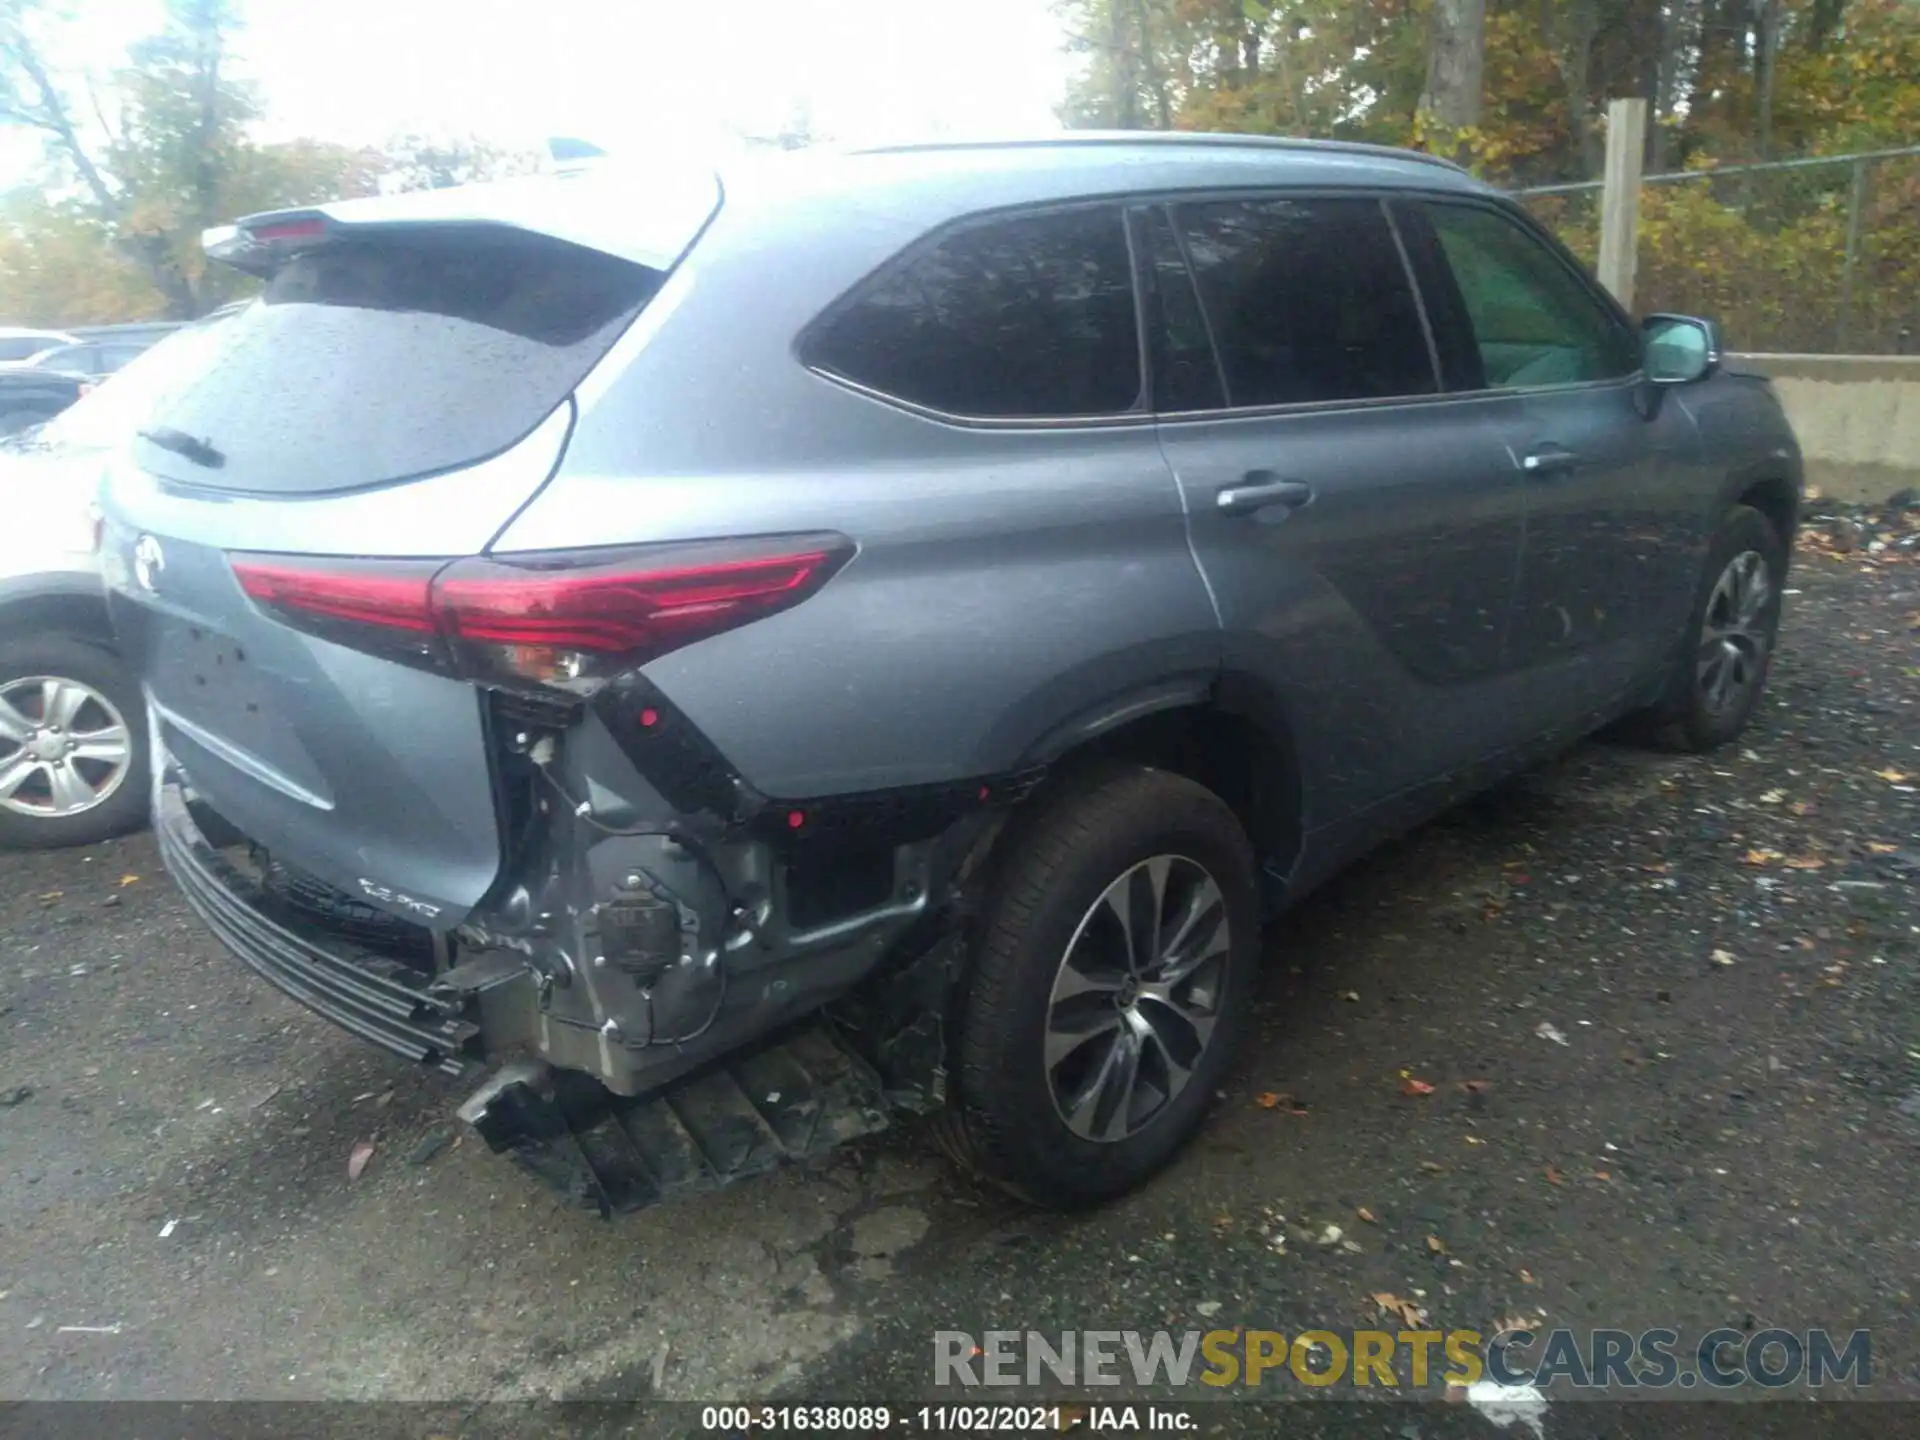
(1137, 997)
(64, 747)
(1734, 639)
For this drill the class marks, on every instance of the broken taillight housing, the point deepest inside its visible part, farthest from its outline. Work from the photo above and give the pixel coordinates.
(563, 619)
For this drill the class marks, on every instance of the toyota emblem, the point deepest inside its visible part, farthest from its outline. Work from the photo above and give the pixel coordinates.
(148, 563)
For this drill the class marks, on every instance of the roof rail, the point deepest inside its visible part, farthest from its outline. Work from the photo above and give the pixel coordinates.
(1169, 138)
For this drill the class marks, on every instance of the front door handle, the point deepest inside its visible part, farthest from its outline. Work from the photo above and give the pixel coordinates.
(1548, 459)
(1258, 490)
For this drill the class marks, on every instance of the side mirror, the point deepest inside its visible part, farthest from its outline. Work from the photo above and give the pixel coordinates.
(1679, 349)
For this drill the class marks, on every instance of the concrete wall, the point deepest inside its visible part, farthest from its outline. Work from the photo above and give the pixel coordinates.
(1857, 416)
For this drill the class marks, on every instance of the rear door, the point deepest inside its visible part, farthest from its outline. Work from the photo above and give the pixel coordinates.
(398, 392)
(1359, 529)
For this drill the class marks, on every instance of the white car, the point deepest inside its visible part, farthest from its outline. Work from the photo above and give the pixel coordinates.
(73, 747)
(20, 343)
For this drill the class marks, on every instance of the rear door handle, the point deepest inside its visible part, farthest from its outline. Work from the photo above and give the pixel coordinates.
(1548, 459)
(1258, 490)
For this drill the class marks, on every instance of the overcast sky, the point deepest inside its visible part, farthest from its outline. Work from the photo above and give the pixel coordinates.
(516, 71)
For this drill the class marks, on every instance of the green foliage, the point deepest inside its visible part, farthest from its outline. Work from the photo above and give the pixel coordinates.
(1731, 81)
(135, 174)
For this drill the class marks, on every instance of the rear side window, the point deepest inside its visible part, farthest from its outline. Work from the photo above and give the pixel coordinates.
(1534, 322)
(1308, 300)
(1018, 317)
(383, 358)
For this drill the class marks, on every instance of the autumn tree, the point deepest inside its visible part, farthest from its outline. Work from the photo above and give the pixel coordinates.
(1518, 87)
(143, 167)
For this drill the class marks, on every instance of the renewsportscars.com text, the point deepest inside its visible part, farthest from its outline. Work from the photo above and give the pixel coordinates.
(1608, 1359)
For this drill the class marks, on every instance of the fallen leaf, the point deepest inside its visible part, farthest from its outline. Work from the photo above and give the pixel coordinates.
(1547, 1030)
(53, 895)
(1806, 862)
(1365, 1214)
(1880, 847)
(1553, 1175)
(1722, 957)
(1475, 1140)
(1403, 1310)
(1351, 996)
(1601, 1175)
(1760, 857)
(357, 1160)
(126, 880)
(1268, 1101)
(1526, 1278)
(1436, 1245)
(1069, 1417)
(1891, 776)
(1411, 1086)
(1773, 797)
(1433, 1167)
(1800, 807)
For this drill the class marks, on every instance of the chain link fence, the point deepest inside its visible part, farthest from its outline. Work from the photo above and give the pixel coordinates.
(1802, 256)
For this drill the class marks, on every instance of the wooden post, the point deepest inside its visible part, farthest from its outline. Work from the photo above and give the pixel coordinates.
(1620, 196)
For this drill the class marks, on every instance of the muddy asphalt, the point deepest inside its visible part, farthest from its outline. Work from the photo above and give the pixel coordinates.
(1667, 1008)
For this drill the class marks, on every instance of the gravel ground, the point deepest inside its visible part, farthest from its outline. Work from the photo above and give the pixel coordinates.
(1666, 1007)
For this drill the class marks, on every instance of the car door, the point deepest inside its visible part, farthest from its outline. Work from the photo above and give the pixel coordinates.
(1606, 541)
(1359, 530)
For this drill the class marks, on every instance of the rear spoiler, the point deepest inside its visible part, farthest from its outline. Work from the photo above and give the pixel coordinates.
(647, 211)
(245, 248)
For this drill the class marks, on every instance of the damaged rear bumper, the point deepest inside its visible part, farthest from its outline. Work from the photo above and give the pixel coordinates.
(369, 994)
(768, 1085)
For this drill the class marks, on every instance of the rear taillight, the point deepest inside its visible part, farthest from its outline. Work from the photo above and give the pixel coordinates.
(282, 232)
(566, 619)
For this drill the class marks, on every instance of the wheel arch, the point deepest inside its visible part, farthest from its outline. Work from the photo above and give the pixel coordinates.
(1768, 485)
(1227, 731)
(63, 605)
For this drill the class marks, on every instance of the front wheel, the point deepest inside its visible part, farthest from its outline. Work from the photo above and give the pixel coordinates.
(1718, 678)
(1111, 980)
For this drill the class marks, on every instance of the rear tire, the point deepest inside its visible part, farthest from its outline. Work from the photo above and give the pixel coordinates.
(124, 805)
(1718, 678)
(1054, 978)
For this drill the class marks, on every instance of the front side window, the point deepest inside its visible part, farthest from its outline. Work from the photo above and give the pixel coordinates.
(1308, 300)
(1533, 321)
(1018, 317)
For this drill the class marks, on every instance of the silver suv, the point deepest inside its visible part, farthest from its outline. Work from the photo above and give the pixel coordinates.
(887, 631)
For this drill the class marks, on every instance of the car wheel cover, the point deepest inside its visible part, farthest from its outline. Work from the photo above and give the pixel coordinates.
(1136, 999)
(65, 748)
(1734, 638)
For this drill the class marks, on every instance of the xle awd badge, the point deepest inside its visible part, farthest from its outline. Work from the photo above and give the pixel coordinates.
(148, 563)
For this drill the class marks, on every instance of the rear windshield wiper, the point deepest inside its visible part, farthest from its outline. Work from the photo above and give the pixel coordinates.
(181, 443)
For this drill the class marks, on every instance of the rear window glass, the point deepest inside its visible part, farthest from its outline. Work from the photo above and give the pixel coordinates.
(1027, 316)
(377, 359)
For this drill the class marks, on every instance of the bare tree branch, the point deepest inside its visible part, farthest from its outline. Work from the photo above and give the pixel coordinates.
(99, 115)
(51, 115)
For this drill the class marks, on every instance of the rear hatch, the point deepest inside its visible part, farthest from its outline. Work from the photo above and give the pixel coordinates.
(399, 391)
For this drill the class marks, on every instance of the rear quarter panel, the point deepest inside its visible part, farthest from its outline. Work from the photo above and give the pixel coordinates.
(1006, 581)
